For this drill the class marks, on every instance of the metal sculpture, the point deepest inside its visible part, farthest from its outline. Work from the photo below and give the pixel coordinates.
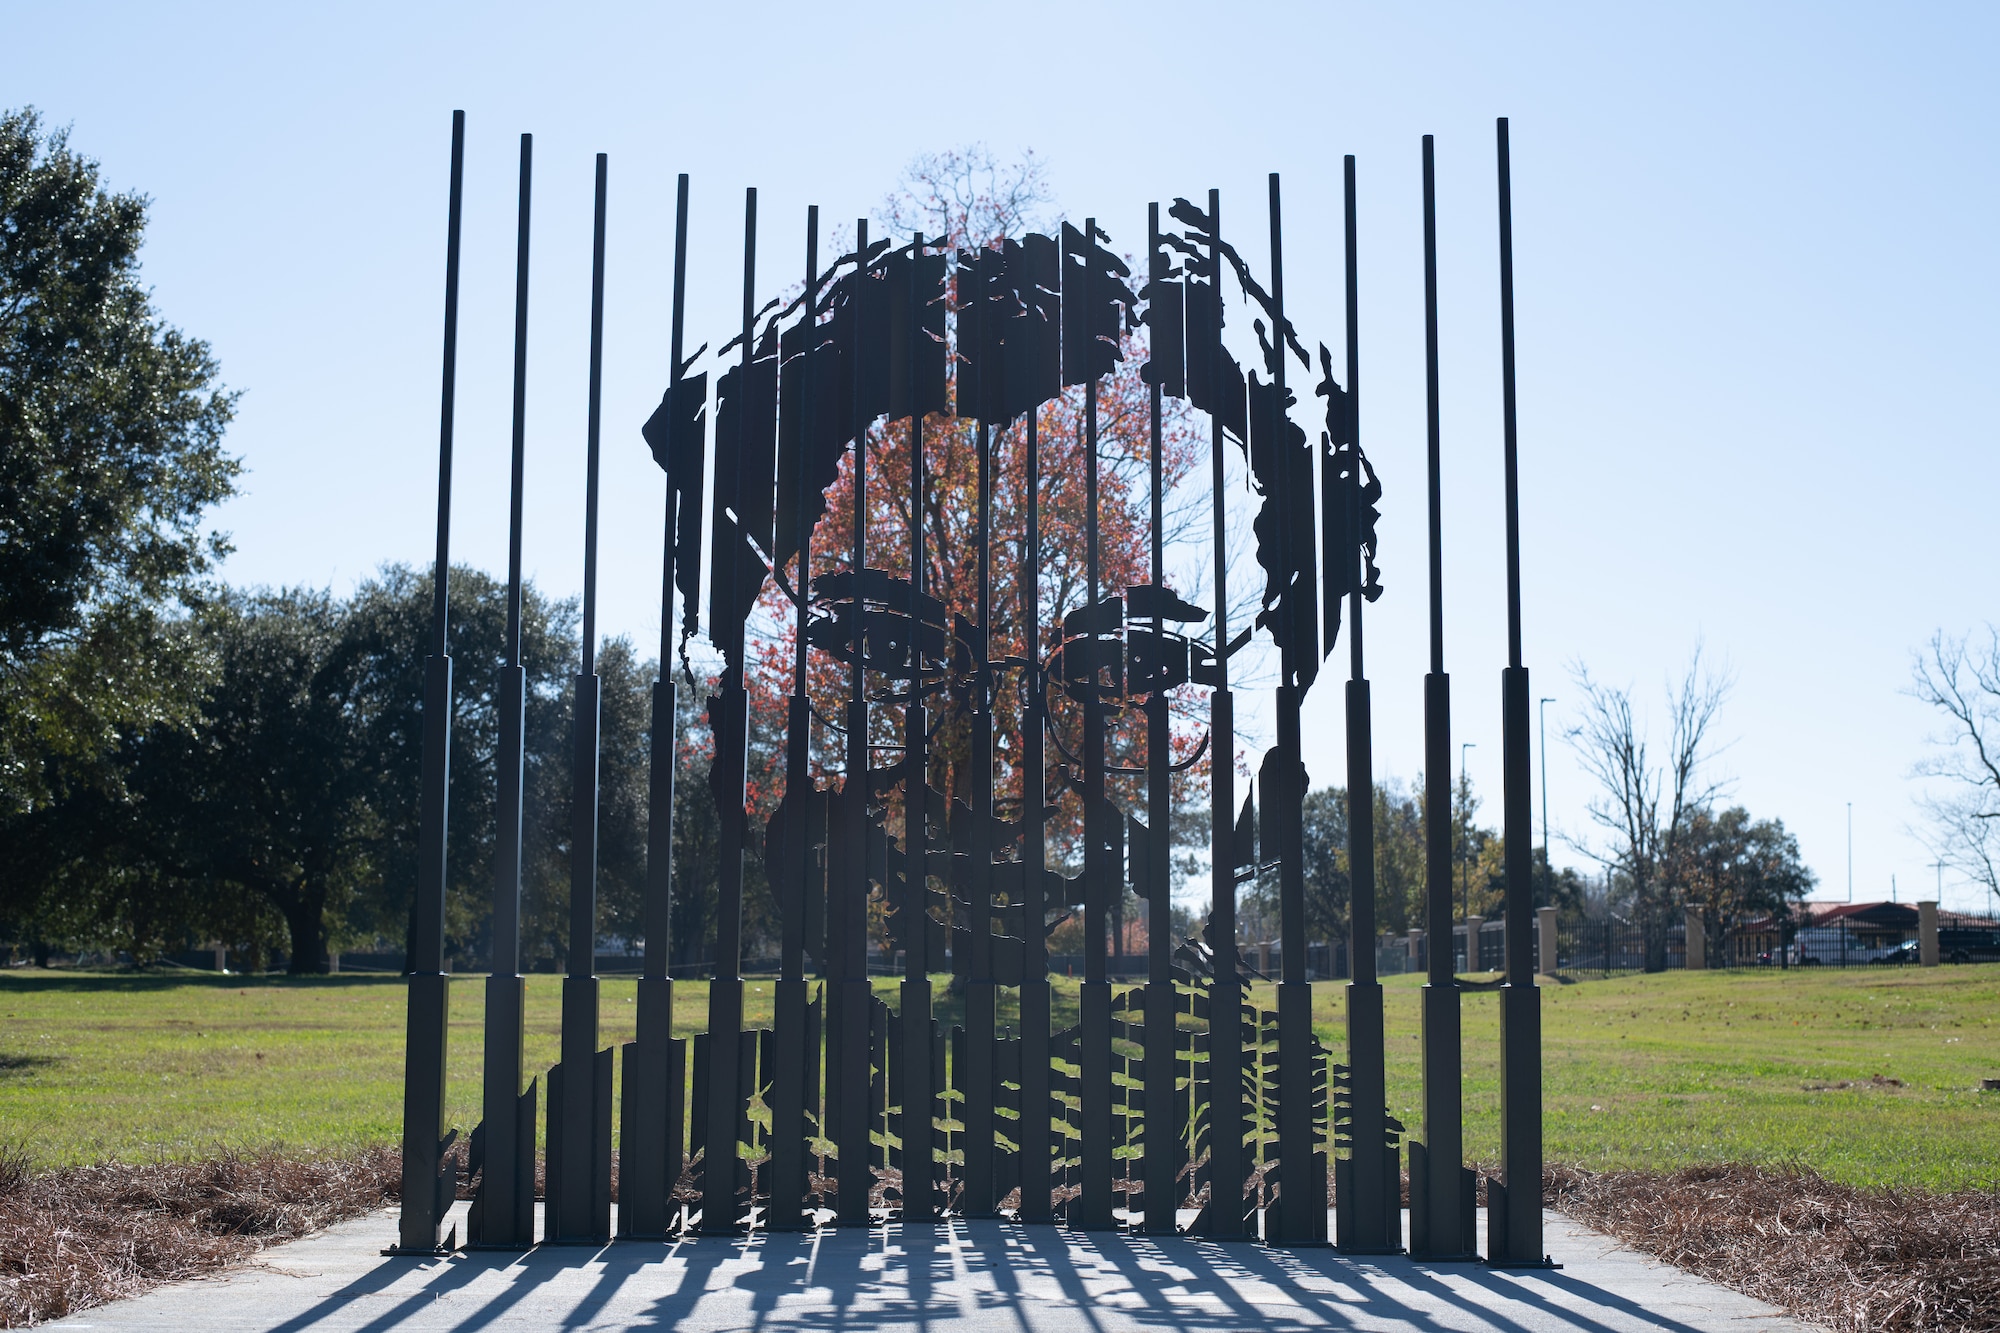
(1176, 1094)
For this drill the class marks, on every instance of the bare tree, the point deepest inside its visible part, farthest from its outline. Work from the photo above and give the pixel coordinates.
(1645, 807)
(969, 197)
(1962, 681)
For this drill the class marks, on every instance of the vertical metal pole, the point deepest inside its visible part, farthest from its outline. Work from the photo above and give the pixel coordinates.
(1439, 1211)
(1464, 879)
(789, 1093)
(650, 1161)
(1372, 1221)
(580, 1203)
(1520, 1239)
(725, 992)
(506, 990)
(918, 1078)
(1092, 1209)
(977, 1082)
(1302, 1198)
(849, 1054)
(1542, 743)
(1163, 1128)
(1036, 1120)
(1223, 1218)
(428, 1180)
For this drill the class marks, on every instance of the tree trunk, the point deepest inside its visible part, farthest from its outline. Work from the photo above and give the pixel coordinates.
(1655, 930)
(305, 921)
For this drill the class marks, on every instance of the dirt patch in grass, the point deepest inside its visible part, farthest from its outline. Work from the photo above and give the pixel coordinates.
(1897, 1261)
(77, 1237)
(1872, 1081)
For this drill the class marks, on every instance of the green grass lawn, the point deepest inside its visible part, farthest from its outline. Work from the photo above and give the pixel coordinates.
(1655, 1072)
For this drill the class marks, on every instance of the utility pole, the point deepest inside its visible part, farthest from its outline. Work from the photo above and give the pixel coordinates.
(1850, 851)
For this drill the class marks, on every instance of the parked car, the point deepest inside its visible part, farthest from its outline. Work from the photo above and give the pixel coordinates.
(1969, 944)
(1909, 951)
(1817, 952)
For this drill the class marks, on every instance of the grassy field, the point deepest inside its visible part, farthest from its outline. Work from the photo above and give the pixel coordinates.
(1869, 1076)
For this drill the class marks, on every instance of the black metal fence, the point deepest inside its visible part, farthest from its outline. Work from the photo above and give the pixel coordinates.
(1613, 944)
(1610, 944)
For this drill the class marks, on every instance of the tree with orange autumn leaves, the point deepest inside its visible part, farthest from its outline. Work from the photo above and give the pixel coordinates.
(969, 200)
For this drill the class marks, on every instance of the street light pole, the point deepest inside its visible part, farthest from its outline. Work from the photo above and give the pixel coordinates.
(1850, 851)
(1542, 721)
(1464, 887)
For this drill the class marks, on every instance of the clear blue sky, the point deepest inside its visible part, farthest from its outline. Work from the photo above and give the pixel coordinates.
(1756, 261)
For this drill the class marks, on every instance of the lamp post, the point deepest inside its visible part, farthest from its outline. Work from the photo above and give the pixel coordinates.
(1542, 721)
(1464, 887)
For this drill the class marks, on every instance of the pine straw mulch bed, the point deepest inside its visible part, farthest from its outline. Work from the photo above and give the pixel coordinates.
(77, 1237)
(1899, 1261)
(1893, 1261)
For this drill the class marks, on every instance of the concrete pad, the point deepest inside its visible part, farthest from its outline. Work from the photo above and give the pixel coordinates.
(953, 1278)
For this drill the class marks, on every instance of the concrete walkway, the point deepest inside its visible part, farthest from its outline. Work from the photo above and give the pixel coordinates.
(947, 1279)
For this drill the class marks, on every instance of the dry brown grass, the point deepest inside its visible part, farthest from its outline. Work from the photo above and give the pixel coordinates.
(1885, 1261)
(75, 1238)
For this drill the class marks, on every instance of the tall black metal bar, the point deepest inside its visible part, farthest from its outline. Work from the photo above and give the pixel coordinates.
(918, 1082)
(1514, 1219)
(1441, 1187)
(1224, 1216)
(1371, 1221)
(1302, 1175)
(429, 1176)
(1162, 1161)
(580, 1176)
(1091, 1210)
(1037, 1125)
(649, 1163)
(725, 993)
(976, 1082)
(506, 1200)
(850, 1000)
(789, 1092)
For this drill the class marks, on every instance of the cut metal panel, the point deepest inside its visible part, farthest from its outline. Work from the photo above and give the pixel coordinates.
(809, 379)
(746, 463)
(986, 307)
(916, 333)
(1096, 307)
(677, 432)
(1214, 379)
(1033, 333)
(697, 1117)
(1166, 337)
